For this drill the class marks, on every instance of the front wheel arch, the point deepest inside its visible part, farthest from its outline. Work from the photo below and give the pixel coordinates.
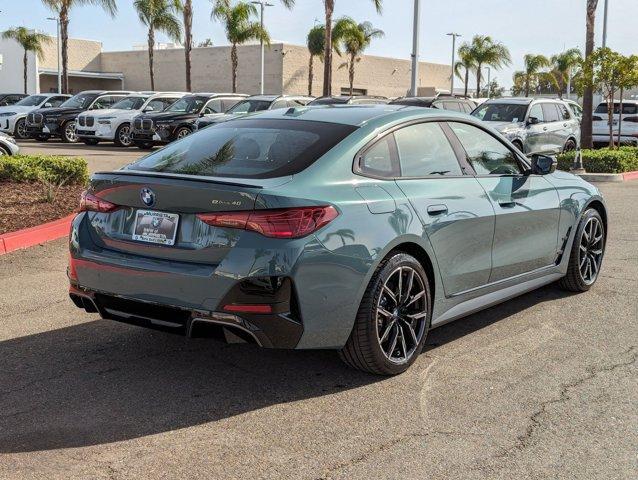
(602, 211)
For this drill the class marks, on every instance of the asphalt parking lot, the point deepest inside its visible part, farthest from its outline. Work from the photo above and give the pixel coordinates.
(544, 386)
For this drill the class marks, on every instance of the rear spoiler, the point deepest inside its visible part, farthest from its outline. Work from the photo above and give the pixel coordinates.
(179, 176)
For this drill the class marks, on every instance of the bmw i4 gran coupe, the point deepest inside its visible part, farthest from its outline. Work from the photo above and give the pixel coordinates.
(354, 228)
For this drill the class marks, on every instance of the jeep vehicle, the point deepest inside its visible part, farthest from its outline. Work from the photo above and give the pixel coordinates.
(443, 102)
(533, 125)
(256, 103)
(13, 118)
(115, 124)
(177, 121)
(43, 124)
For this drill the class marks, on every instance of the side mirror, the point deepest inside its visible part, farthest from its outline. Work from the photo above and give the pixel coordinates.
(48, 105)
(533, 121)
(543, 164)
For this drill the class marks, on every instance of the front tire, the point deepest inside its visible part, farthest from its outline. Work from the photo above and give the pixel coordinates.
(570, 146)
(587, 253)
(182, 132)
(68, 132)
(393, 319)
(123, 136)
(20, 130)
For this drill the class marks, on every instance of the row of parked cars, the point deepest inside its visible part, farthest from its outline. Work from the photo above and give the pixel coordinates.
(145, 119)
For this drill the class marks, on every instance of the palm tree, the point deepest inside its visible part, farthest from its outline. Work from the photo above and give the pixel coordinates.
(30, 42)
(158, 16)
(62, 9)
(315, 42)
(486, 52)
(531, 74)
(329, 6)
(562, 68)
(187, 13)
(239, 28)
(588, 95)
(355, 39)
(466, 62)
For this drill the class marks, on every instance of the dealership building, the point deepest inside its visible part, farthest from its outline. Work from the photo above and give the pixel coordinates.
(286, 70)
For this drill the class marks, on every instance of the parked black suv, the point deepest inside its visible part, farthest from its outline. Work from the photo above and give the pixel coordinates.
(43, 124)
(7, 99)
(443, 102)
(177, 120)
(349, 100)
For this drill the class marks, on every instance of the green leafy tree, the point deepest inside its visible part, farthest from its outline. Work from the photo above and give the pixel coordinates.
(158, 16)
(465, 64)
(565, 66)
(492, 90)
(62, 9)
(329, 6)
(315, 42)
(240, 28)
(355, 38)
(627, 79)
(588, 90)
(484, 51)
(533, 66)
(30, 41)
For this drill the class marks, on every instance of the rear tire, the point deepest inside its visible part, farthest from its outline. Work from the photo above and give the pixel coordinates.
(586, 255)
(393, 319)
(182, 132)
(570, 146)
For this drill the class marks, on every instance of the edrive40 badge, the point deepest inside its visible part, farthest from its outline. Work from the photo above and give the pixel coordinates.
(147, 196)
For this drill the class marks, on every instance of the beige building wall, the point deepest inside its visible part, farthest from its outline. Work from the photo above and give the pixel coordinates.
(389, 77)
(83, 55)
(49, 84)
(211, 69)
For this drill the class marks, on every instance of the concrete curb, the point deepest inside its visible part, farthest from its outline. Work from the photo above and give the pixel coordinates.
(609, 177)
(35, 235)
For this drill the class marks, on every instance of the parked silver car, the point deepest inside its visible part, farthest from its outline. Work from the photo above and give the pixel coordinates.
(533, 125)
(8, 145)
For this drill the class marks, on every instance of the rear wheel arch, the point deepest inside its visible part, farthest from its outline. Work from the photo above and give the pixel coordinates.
(417, 251)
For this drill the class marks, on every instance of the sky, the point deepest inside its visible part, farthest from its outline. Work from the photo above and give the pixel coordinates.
(524, 26)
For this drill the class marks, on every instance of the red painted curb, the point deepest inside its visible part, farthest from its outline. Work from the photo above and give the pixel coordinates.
(33, 236)
(630, 175)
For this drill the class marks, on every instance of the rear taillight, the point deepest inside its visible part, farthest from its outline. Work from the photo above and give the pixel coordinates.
(92, 203)
(280, 223)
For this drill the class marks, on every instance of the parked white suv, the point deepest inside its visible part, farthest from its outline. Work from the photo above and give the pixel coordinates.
(13, 117)
(629, 127)
(114, 124)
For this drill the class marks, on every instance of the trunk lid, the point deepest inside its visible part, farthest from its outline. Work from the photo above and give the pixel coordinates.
(195, 241)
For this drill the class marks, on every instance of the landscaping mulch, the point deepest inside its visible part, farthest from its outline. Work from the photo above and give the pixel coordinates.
(23, 205)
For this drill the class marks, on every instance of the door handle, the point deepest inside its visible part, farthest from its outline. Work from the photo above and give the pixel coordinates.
(434, 210)
(507, 203)
(564, 124)
(544, 129)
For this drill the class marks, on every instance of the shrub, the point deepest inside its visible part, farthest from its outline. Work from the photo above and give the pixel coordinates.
(604, 160)
(47, 169)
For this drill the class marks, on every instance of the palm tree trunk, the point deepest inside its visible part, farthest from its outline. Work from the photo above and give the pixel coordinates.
(24, 64)
(622, 93)
(327, 53)
(151, 47)
(188, 40)
(310, 74)
(478, 80)
(467, 79)
(233, 61)
(527, 85)
(351, 73)
(588, 96)
(64, 34)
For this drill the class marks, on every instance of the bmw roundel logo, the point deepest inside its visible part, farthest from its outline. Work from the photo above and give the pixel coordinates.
(147, 196)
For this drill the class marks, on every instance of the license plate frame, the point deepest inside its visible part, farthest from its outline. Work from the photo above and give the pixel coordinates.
(155, 227)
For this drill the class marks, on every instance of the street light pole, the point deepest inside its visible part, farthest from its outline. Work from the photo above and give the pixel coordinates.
(415, 49)
(453, 35)
(57, 23)
(262, 5)
(605, 24)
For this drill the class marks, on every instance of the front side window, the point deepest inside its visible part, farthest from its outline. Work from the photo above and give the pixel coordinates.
(32, 100)
(105, 102)
(187, 105)
(486, 154)
(214, 106)
(247, 149)
(377, 160)
(249, 106)
(500, 112)
(537, 112)
(57, 101)
(564, 112)
(425, 150)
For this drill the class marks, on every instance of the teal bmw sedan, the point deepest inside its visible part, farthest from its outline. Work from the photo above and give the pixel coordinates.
(356, 228)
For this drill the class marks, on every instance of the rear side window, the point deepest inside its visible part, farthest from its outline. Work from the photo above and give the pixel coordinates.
(250, 148)
(425, 150)
(564, 112)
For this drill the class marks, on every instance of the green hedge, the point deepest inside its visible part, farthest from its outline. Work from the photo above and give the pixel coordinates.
(604, 160)
(44, 168)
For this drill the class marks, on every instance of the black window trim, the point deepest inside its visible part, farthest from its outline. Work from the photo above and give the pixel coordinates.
(461, 156)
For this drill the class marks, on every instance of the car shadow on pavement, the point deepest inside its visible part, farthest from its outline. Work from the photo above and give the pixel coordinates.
(101, 381)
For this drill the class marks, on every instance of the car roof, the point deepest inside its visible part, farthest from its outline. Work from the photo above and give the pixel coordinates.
(514, 100)
(355, 115)
(272, 98)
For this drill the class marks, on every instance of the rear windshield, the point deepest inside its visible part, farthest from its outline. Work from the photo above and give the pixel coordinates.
(627, 108)
(248, 148)
(501, 112)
